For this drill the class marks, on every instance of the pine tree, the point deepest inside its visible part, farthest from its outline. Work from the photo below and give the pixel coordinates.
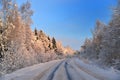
(48, 38)
(36, 32)
(54, 43)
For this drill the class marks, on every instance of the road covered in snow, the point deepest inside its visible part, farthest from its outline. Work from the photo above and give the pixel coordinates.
(67, 69)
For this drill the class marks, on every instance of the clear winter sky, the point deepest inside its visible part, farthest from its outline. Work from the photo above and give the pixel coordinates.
(70, 21)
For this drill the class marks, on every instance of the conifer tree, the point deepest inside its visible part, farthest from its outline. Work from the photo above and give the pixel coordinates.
(54, 43)
(36, 32)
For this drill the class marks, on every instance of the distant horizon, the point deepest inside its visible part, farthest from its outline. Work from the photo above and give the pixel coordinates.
(70, 21)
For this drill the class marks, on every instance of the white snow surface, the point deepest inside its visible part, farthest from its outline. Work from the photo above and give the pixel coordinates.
(65, 69)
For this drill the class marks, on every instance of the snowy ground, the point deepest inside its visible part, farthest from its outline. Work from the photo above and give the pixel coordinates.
(68, 69)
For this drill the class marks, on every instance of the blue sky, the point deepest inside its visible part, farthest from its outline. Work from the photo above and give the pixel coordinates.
(70, 21)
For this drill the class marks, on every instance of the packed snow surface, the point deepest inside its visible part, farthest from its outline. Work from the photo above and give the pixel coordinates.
(67, 69)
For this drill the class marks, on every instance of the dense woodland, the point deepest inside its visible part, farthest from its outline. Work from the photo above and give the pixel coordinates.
(104, 47)
(19, 45)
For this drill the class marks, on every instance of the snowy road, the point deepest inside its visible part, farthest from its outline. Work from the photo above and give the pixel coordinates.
(68, 69)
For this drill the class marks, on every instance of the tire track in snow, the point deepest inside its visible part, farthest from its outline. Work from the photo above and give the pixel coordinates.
(80, 74)
(67, 72)
(72, 68)
(51, 76)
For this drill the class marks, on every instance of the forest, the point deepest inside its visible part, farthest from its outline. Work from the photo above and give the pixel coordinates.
(20, 46)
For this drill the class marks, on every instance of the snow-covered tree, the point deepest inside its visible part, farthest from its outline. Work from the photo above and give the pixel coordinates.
(105, 44)
(54, 43)
(19, 45)
(26, 13)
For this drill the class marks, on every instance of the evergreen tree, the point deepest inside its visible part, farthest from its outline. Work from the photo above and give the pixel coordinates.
(54, 43)
(36, 32)
(48, 38)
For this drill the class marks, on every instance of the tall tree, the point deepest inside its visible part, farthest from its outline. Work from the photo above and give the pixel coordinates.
(54, 43)
(36, 32)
